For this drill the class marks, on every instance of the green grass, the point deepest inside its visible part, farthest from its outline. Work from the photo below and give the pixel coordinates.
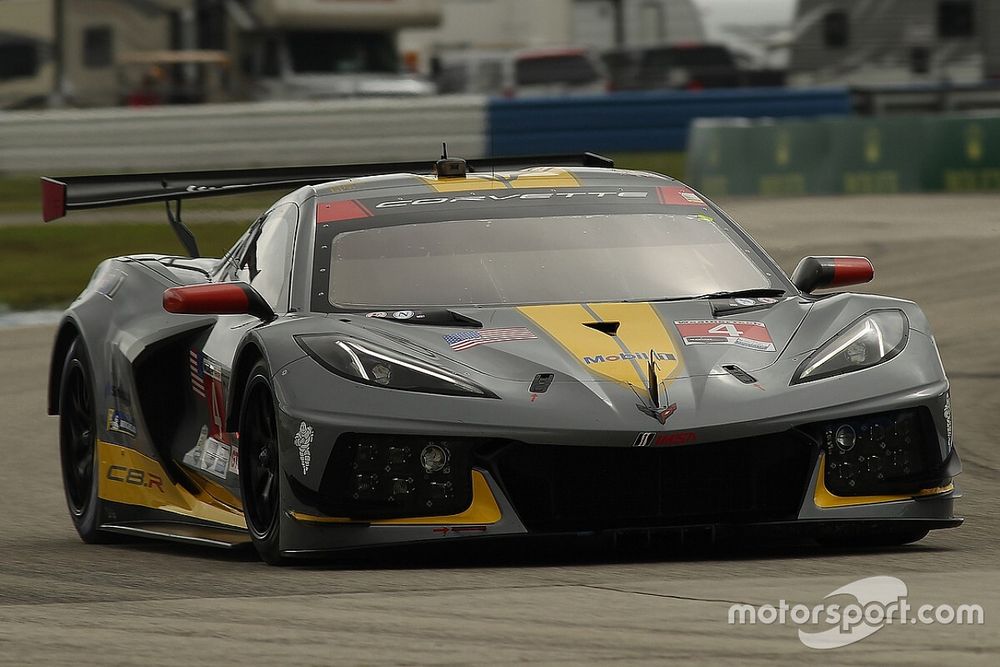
(47, 266)
(19, 194)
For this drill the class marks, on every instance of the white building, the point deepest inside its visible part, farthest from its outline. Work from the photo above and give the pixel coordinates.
(517, 24)
(883, 42)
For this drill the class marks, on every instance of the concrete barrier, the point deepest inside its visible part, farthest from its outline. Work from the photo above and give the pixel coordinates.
(236, 135)
(344, 131)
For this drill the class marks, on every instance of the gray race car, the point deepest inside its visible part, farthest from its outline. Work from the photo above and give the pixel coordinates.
(460, 350)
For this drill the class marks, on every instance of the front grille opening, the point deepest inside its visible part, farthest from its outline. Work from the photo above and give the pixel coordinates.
(594, 488)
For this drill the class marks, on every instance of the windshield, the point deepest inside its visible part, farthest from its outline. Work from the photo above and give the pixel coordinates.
(522, 261)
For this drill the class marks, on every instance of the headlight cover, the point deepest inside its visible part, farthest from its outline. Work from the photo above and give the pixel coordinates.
(872, 339)
(368, 364)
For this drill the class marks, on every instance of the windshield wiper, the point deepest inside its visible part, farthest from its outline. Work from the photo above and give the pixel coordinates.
(757, 291)
(760, 291)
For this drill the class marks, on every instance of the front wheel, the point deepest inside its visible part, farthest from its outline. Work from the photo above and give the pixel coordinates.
(259, 467)
(78, 444)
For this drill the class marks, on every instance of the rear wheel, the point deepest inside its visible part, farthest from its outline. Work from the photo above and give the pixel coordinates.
(259, 469)
(78, 444)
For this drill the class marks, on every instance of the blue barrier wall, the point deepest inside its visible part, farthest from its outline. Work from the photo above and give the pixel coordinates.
(651, 121)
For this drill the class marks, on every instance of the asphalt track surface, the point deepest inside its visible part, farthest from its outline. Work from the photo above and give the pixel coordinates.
(62, 602)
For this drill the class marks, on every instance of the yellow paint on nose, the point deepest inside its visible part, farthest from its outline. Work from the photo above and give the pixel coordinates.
(622, 358)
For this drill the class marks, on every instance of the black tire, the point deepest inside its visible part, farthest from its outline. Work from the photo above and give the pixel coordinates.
(259, 466)
(885, 537)
(78, 444)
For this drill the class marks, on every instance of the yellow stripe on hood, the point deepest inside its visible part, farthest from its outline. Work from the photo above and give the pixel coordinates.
(622, 358)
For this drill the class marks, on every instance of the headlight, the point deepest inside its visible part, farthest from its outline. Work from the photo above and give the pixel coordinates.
(368, 364)
(874, 338)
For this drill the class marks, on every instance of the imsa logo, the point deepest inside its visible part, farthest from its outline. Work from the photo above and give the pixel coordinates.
(665, 439)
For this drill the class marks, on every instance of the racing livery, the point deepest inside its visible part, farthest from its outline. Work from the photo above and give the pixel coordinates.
(463, 350)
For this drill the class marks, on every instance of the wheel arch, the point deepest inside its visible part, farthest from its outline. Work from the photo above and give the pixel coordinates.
(69, 331)
(249, 353)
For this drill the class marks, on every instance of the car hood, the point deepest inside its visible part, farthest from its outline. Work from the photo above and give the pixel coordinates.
(598, 342)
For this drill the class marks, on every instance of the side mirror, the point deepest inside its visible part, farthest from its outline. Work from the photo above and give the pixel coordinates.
(217, 299)
(814, 273)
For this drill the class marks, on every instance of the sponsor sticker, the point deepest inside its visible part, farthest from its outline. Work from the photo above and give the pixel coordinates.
(196, 363)
(234, 460)
(516, 197)
(215, 457)
(626, 356)
(463, 340)
(678, 196)
(304, 438)
(135, 476)
(650, 439)
(120, 421)
(745, 334)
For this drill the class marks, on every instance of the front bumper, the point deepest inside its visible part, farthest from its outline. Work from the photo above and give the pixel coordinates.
(771, 482)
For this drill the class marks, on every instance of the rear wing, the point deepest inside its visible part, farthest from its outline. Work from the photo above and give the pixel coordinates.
(61, 195)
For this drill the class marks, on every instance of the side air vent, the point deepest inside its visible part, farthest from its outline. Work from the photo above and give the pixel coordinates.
(610, 328)
(739, 374)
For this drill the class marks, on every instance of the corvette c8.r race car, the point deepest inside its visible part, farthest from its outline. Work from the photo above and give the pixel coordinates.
(452, 350)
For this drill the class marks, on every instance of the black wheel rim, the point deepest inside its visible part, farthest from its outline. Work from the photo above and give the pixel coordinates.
(259, 443)
(78, 426)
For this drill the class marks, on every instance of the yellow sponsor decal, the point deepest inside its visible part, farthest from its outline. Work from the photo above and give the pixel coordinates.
(129, 477)
(624, 357)
(471, 183)
(825, 500)
(544, 178)
(530, 179)
(483, 510)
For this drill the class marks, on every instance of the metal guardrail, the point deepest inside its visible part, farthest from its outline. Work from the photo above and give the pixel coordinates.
(241, 135)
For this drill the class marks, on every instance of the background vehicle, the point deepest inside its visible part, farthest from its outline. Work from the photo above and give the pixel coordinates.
(683, 66)
(304, 391)
(529, 73)
(317, 64)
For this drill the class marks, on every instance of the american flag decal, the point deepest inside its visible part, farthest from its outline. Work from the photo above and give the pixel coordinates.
(463, 340)
(198, 373)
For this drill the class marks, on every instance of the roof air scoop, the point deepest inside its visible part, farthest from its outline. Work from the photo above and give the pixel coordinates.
(609, 328)
(448, 167)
